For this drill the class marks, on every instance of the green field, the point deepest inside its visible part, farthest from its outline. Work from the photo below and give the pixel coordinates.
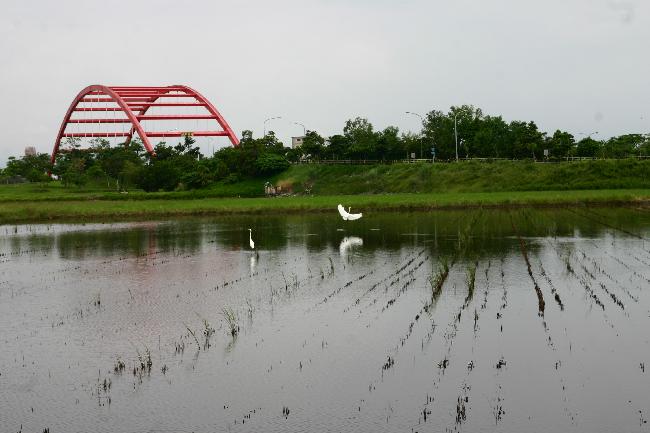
(85, 210)
(470, 177)
(365, 188)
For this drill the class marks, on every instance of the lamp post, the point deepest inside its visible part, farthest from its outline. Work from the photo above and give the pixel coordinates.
(304, 130)
(422, 120)
(456, 135)
(269, 119)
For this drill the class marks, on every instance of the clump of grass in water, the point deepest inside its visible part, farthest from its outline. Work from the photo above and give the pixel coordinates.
(231, 320)
(119, 366)
(193, 335)
(567, 263)
(145, 363)
(208, 330)
(97, 300)
(437, 280)
(250, 309)
(470, 279)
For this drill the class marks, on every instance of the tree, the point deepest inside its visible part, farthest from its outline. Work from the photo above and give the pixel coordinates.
(561, 144)
(623, 146)
(95, 174)
(411, 144)
(526, 141)
(438, 130)
(313, 145)
(337, 147)
(200, 177)
(32, 167)
(489, 138)
(162, 175)
(468, 120)
(74, 173)
(361, 138)
(389, 145)
(588, 147)
(270, 163)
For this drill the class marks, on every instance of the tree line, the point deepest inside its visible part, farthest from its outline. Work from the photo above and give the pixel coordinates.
(175, 167)
(472, 134)
(182, 166)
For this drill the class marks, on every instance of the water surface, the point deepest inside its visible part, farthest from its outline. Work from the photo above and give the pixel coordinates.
(121, 327)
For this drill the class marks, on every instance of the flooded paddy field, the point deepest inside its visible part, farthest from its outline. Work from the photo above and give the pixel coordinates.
(486, 320)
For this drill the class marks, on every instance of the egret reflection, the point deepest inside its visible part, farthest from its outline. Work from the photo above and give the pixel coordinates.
(349, 242)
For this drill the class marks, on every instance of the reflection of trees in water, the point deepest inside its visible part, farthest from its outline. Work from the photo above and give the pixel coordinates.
(439, 231)
(231, 233)
(182, 237)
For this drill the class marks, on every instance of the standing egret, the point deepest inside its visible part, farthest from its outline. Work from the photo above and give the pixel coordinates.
(250, 239)
(346, 215)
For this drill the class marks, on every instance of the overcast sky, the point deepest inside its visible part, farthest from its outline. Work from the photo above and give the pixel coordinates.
(577, 65)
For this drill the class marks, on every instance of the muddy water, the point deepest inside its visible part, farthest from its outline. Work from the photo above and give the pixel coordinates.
(540, 324)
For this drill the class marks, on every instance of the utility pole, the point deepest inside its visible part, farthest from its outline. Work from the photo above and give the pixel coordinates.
(267, 120)
(304, 130)
(422, 120)
(456, 135)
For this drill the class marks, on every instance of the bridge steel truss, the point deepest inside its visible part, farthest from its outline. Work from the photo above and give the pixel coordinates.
(134, 102)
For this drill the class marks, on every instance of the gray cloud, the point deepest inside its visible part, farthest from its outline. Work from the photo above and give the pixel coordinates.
(558, 62)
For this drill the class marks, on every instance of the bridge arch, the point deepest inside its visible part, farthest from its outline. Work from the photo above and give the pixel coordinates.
(133, 102)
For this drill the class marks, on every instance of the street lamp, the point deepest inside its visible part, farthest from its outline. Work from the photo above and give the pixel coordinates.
(422, 119)
(588, 135)
(304, 131)
(456, 135)
(269, 119)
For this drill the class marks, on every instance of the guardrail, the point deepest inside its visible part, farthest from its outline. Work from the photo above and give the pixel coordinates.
(442, 161)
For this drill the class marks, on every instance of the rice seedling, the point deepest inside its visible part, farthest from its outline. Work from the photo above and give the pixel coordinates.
(119, 366)
(145, 360)
(97, 300)
(388, 364)
(231, 320)
(470, 280)
(438, 279)
(193, 335)
(250, 309)
(208, 330)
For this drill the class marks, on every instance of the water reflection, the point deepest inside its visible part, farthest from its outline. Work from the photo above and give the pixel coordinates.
(347, 243)
(379, 231)
(397, 322)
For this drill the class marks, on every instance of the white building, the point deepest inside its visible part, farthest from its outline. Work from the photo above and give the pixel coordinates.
(30, 151)
(297, 141)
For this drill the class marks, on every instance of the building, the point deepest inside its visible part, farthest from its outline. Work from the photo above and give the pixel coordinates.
(297, 141)
(30, 151)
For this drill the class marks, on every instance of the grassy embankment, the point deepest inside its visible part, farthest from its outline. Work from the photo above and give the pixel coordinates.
(381, 187)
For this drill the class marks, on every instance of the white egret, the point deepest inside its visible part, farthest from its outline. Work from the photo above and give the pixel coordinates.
(250, 239)
(347, 216)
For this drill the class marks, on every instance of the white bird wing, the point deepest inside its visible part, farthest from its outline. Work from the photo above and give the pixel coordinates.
(343, 212)
(354, 216)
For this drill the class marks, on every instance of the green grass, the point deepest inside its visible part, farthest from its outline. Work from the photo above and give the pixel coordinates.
(378, 187)
(469, 177)
(82, 210)
(55, 191)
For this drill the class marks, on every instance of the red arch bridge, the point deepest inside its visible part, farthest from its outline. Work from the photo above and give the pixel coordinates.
(122, 111)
